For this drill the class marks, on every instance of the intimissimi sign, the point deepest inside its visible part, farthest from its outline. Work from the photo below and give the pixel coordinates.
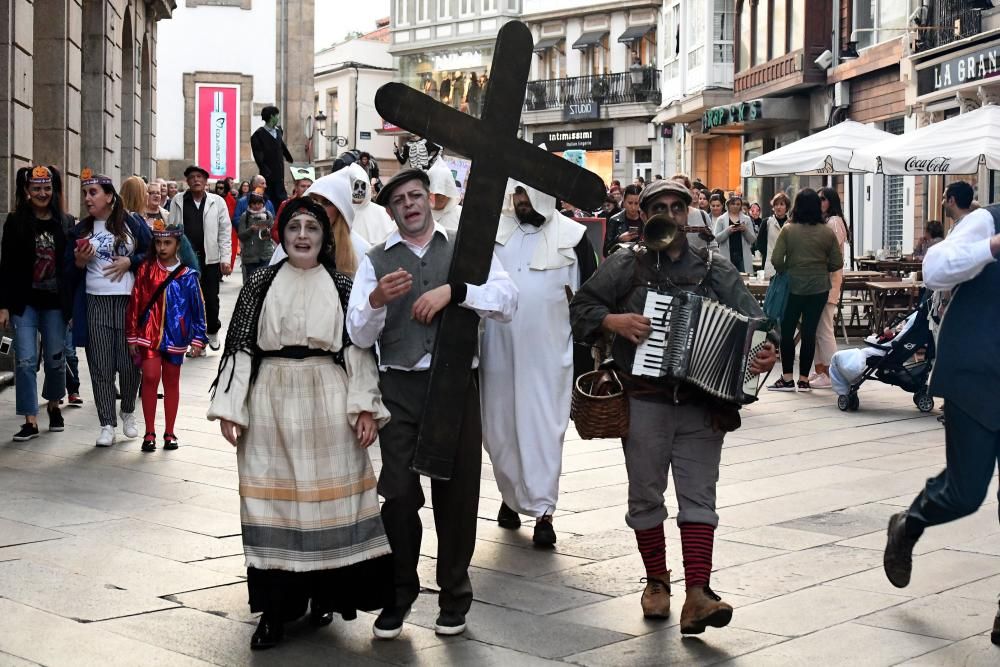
(972, 67)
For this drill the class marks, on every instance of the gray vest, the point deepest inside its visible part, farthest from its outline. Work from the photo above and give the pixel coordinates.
(404, 341)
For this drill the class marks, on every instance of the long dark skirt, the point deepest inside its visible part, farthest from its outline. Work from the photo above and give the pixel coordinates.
(285, 595)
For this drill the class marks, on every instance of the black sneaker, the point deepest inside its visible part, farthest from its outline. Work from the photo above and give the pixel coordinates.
(149, 442)
(782, 385)
(508, 518)
(389, 623)
(27, 432)
(449, 623)
(170, 441)
(56, 422)
(898, 558)
(545, 535)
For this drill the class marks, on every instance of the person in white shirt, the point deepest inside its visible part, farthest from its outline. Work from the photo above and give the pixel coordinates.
(399, 290)
(966, 374)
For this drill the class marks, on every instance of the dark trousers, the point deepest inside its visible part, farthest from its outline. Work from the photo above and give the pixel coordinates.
(972, 452)
(210, 278)
(808, 308)
(456, 501)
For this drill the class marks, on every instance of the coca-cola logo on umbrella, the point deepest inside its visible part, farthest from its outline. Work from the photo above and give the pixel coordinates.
(933, 165)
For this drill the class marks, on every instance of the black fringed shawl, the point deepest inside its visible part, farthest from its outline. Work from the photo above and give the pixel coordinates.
(242, 333)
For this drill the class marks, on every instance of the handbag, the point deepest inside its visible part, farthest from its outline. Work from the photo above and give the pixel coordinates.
(777, 297)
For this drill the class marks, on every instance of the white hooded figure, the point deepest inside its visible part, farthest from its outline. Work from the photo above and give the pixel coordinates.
(526, 367)
(336, 189)
(371, 221)
(445, 207)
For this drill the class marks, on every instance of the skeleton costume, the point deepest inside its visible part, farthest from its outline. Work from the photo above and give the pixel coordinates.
(371, 222)
(294, 382)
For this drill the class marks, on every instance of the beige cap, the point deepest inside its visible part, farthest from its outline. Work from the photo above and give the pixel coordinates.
(661, 187)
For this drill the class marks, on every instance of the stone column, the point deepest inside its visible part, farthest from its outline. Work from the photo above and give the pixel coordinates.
(16, 50)
(294, 92)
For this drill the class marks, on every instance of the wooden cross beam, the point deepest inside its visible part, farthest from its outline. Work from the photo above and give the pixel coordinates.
(497, 154)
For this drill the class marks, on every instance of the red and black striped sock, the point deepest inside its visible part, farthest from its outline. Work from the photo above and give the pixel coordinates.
(653, 549)
(696, 546)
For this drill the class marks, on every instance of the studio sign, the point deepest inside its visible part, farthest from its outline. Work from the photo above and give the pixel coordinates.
(934, 165)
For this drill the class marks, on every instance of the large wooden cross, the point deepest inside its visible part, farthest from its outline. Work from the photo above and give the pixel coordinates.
(496, 153)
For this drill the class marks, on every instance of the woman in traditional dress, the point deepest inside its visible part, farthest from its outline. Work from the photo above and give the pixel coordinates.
(301, 404)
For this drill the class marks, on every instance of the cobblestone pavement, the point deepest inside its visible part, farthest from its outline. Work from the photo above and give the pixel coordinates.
(114, 557)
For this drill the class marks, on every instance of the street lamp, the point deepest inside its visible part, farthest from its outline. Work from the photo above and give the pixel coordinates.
(320, 119)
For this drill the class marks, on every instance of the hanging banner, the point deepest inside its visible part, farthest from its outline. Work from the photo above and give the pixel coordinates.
(217, 127)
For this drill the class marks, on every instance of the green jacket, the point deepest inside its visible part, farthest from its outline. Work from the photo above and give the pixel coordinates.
(808, 253)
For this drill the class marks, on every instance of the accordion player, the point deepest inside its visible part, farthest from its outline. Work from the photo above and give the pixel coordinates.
(698, 340)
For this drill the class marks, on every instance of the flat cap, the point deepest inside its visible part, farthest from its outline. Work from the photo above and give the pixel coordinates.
(195, 168)
(662, 187)
(398, 179)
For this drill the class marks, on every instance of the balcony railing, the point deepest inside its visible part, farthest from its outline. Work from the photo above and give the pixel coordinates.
(951, 21)
(605, 89)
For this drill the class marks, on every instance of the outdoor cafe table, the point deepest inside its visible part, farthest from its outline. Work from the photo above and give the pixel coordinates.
(890, 298)
(899, 267)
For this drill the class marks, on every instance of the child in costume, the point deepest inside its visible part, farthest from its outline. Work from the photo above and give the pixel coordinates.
(165, 316)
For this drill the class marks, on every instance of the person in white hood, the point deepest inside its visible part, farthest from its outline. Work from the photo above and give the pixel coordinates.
(371, 221)
(333, 193)
(444, 196)
(527, 364)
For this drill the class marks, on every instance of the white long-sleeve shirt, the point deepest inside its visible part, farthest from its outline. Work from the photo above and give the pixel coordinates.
(963, 254)
(496, 299)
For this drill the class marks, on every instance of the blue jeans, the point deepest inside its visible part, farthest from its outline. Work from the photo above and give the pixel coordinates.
(72, 363)
(26, 329)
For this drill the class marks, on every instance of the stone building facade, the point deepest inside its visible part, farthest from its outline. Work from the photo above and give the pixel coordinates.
(79, 88)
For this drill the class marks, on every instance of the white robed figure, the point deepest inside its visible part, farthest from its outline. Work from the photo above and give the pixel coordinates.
(527, 365)
(371, 221)
(445, 207)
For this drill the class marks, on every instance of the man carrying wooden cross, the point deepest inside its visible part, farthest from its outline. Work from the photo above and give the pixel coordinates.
(399, 289)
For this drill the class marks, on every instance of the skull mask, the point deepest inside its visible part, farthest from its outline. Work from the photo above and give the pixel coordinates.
(359, 193)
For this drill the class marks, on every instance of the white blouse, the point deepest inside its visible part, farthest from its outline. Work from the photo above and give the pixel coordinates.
(302, 308)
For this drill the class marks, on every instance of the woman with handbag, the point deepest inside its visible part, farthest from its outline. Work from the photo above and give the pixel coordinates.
(808, 251)
(165, 316)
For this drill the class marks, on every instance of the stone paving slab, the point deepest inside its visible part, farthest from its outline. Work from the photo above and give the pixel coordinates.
(90, 537)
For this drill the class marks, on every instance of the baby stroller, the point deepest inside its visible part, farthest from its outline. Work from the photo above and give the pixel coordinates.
(903, 356)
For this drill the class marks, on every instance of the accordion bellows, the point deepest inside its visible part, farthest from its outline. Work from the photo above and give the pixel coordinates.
(703, 342)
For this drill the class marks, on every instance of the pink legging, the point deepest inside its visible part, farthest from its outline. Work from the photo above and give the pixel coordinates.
(152, 369)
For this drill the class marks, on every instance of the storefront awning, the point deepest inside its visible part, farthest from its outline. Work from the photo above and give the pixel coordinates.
(635, 33)
(589, 39)
(546, 43)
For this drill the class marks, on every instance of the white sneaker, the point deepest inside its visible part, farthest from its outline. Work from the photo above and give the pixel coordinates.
(821, 381)
(128, 425)
(213, 341)
(107, 436)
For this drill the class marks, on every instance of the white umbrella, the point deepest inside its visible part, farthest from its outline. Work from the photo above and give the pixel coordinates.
(826, 152)
(958, 145)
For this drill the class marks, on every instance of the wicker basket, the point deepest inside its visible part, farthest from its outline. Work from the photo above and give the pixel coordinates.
(599, 407)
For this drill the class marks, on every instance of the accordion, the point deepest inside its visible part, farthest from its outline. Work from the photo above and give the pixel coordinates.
(703, 342)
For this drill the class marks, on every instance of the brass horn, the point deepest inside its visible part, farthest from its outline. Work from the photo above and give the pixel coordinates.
(659, 232)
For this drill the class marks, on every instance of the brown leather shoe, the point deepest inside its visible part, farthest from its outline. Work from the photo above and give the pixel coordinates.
(897, 561)
(656, 597)
(703, 608)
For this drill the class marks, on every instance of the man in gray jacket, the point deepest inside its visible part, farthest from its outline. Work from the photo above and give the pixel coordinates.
(207, 226)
